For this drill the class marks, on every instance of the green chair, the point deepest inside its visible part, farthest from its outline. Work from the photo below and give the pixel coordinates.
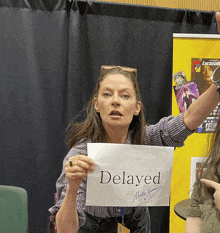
(13, 209)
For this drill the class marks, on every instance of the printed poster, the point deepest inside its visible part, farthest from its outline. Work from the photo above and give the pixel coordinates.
(188, 91)
(197, 55)
(186, 94)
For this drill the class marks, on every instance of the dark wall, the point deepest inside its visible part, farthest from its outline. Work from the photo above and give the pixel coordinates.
(50, 56)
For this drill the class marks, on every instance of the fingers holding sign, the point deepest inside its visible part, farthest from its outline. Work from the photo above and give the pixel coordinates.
(216, 186)
(77, 168)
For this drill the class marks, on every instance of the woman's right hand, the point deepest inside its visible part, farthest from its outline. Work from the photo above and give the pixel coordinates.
(81, 166)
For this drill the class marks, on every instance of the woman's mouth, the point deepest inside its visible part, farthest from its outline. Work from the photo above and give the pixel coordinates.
(115, 114)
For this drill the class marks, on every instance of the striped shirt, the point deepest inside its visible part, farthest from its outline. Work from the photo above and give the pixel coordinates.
(169, 131)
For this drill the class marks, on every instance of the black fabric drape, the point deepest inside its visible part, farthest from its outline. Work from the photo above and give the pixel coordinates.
(33, 74)
(50, 56)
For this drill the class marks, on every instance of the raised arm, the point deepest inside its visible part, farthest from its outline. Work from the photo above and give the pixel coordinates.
(200, 109)
(67, 217)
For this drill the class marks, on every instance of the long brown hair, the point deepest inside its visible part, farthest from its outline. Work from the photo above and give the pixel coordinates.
(211, 166)
(92, 127)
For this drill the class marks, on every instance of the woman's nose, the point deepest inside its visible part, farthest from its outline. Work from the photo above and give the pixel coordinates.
(115, 100)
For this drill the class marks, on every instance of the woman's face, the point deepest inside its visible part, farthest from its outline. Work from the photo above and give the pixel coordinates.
(116, 101)
(207, 73)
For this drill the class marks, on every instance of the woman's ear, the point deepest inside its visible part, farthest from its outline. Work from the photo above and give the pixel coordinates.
(137, 108)
(96, 104)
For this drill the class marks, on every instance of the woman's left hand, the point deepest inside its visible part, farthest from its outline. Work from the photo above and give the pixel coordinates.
(216, 186)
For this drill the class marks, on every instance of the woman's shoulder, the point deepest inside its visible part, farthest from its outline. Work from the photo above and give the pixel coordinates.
(79, 148)
(82, 143)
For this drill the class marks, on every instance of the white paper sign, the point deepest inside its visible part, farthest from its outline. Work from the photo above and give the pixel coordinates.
(129, 175)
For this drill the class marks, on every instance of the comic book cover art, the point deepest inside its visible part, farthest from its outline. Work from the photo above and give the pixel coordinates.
(186, 94)
(196, 65)
(208, 126)
(179, 78)
(202, 70)
(210, 123)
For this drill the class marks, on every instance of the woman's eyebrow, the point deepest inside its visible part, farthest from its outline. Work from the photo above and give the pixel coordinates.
(125, 89)
(128, 90)
(107, 89)
(120, 90)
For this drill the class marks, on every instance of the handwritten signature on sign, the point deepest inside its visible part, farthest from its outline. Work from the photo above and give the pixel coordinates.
(148, 195)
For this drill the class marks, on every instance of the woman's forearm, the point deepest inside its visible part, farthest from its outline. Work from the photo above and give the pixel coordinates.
(67, 217)
(200, 109)
(193, 225)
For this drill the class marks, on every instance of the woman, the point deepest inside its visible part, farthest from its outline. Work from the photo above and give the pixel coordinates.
(203, 79)
(207, 72)
(115, 115)
(203, 214)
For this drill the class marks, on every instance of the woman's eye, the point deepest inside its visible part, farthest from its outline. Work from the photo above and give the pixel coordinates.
(106, 94)
(126, 96)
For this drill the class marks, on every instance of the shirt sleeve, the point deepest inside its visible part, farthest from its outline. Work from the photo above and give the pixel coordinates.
(169, 131)
(61, 187)
(194, 210)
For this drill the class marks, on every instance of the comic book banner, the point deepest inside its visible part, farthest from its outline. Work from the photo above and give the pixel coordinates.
(188, 91)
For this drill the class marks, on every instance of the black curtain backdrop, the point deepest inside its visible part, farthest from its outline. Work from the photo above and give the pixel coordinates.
(50, 56)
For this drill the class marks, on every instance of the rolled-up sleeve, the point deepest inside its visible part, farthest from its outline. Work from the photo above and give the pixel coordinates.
(169, 131)
(194, 210)
(61, 187)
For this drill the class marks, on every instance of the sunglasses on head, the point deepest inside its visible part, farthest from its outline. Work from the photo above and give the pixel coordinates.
(105, 69)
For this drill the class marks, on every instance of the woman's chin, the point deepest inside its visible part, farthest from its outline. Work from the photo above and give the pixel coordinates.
(117, 125)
